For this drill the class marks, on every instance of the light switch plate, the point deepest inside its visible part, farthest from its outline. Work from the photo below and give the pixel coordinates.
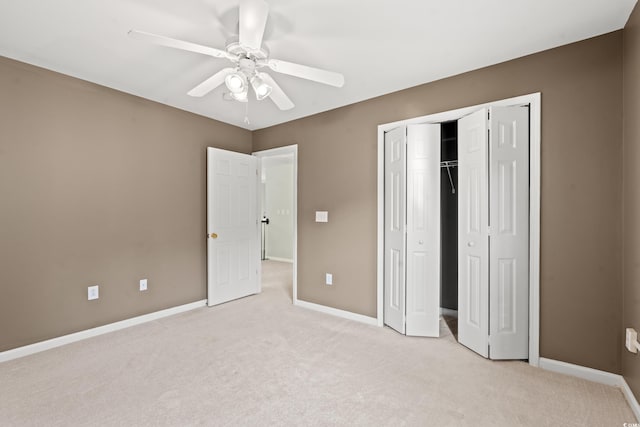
(631, 341)
(143, 284)
(322, 216)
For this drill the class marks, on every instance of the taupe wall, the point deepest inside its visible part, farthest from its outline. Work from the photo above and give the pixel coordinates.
(581, 287)
(97, 187)
(631, 193)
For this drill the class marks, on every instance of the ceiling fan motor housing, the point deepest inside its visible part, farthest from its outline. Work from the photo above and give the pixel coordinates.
(235, 48)
(247, 67)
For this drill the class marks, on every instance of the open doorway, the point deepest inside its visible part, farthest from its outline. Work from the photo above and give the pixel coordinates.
(277, 204)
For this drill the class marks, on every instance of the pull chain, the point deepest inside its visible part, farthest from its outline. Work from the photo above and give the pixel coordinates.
(246, 114)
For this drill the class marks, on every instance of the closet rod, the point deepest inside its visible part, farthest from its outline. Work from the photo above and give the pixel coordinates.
(450, 164)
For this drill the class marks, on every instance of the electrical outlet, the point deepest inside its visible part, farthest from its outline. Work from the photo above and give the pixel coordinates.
(143, 284)
(93, 292)
(322, 216)
(631, 341)
(329, 279)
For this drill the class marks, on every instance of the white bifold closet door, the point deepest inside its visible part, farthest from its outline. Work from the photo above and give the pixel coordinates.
(395, 176)
(493, 232)
(473, 233)
(412, 230)
(233, 248)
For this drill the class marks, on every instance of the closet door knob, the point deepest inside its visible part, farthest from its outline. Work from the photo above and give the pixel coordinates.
(420, 242)
(471, 244)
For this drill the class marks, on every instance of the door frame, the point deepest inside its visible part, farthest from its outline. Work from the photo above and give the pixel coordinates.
(288, 149)
(534, 102)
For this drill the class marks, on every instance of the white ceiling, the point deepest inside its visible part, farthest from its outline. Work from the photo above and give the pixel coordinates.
(380, 46)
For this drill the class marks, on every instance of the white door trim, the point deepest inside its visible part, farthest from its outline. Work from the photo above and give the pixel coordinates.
(534, 102)
(288, 149)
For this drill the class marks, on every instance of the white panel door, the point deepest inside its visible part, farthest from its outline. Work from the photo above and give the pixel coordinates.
(423, 230)
(473, 239)
(509, 240)
(233, 246)
(395, 168)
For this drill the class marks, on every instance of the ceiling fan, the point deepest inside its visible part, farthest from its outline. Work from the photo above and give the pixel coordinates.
(248, 56)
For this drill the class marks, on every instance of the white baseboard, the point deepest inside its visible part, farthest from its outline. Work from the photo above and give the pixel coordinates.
(594, 375)
(631, 399)
(337, 312)
(273, 258)
(93, 332)
(585, 373)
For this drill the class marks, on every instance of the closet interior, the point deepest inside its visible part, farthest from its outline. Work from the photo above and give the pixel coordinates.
(449, 224)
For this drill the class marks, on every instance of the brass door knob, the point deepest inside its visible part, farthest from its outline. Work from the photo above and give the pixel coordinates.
(213, 236)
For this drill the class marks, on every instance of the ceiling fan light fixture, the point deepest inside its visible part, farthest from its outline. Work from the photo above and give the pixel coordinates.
(236, 82)
(240, 96)
(261, 89)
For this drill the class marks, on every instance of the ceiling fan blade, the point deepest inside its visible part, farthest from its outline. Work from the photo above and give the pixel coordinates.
(211, 83)
(253, 19)
(277, 94)
(178, 44)
(309, 73)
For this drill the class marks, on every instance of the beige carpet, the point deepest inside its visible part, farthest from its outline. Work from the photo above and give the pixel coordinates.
(260, 361)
